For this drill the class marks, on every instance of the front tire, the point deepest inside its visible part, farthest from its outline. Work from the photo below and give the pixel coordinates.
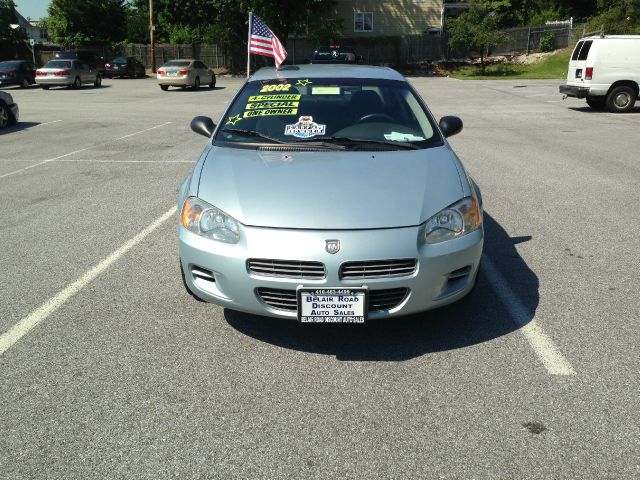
(597, 103)
(76, 83)
(46, 87)
(164, 87)
(5, 115)
(24, 83)
(621, 99)
(196, 83)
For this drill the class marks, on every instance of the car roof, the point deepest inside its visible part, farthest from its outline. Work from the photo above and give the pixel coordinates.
(327, 71)
(181, 60)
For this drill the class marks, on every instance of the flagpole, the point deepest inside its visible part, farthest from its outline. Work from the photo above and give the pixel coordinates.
(249, 47)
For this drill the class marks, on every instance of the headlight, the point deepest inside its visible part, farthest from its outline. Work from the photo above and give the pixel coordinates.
(206, 220)
(454, 221)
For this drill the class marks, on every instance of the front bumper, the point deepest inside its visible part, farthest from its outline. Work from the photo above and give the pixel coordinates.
(574, 91)
(232, 285)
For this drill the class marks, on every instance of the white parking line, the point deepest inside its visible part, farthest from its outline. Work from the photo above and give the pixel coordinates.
(32, 320)
(81, 150)
(46, 123)
(549, 354)
(125, 161)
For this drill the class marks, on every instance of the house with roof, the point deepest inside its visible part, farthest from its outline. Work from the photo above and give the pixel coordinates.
(33, 29)
(391, 18)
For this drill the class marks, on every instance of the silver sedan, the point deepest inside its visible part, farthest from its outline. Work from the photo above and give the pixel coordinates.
(185, 73)
(67, 73)
(329, 194)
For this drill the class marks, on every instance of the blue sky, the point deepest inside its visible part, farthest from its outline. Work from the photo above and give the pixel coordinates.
(36, 9)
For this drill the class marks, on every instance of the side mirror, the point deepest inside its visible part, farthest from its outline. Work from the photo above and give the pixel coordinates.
(450, 126)
(203, 126)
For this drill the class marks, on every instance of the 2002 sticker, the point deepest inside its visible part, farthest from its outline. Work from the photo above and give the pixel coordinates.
(278, 87)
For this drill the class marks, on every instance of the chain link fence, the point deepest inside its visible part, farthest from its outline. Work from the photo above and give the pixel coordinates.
(403, 50)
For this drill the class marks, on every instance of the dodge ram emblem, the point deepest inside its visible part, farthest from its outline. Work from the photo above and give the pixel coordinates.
(332, 246)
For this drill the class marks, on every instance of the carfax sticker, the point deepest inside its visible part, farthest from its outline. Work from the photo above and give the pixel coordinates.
(305, 128)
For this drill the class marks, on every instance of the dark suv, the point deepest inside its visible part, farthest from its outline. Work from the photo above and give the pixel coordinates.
(335, 54)
(85, 56)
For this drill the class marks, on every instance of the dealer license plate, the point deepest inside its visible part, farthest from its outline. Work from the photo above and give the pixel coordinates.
(332, 305)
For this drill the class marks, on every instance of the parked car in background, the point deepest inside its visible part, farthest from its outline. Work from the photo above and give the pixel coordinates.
(17, 72)
(85, 56)
(124, 67)
(185, 72)
(67, 73)
(9, 112)
(335, 54)
(605, 70)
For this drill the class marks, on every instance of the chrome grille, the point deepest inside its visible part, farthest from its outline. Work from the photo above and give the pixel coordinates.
(386, 299)
(378, 268)
(287, 299)
(278, 298)
(286, 268)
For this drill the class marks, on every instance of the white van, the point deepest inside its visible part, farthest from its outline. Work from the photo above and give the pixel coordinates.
(606, 71)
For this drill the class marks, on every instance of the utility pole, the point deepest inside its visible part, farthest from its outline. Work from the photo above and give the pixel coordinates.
(152, 29)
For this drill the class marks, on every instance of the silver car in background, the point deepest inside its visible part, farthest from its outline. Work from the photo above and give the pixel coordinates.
(67, 73)
(184, 73)
(329, 194)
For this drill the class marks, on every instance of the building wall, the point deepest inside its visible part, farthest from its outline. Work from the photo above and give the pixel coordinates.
(391, 17)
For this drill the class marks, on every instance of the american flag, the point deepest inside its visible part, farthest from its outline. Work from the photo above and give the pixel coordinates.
(264, 42)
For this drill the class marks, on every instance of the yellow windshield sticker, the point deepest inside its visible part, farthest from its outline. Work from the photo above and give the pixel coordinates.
(269, 112)
(233, 120)
(263, 105)
(278, 87)
(304, 83)
(325, 91)
(268, 98)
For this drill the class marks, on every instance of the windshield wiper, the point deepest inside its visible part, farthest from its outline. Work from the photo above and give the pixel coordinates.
(358, 141)
(251, 133)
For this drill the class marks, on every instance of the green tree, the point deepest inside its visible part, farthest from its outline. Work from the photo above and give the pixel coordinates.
(78, 22)
(137, 21)
(477, 29)
(7, 17)
(617, 17)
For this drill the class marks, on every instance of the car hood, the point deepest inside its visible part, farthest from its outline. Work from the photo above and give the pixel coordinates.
(330, 190)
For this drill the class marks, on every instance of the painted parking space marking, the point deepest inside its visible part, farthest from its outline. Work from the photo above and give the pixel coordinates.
(49, 160)
(548, 353)
(28, 323)
(46, 123)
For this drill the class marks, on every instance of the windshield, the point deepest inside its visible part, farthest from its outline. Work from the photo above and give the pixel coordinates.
(176, 63)
(9, 66)
(58, 64)
(119, 60)
(328, 109)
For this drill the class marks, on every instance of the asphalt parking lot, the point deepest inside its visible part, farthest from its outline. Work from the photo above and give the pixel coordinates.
(108, 369)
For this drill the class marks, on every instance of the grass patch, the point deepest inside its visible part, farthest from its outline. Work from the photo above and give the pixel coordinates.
(552, 66)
